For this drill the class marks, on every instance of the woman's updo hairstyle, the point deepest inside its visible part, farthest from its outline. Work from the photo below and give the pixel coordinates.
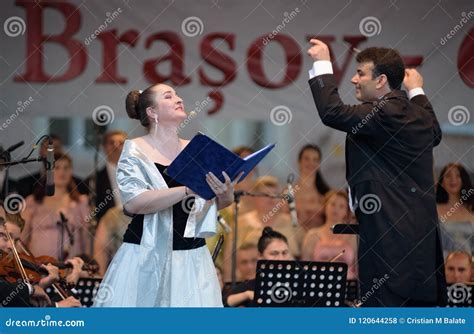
(268, 235)
(136, 104)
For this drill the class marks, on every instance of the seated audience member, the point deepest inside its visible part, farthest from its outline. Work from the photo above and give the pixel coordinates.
(247, 257)
(310, 187)
(458, 267)
(272, 245)
(268, 212)
(455, 204)
(321, 244)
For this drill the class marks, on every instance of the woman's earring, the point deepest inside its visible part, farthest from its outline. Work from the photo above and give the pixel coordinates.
(156, 119)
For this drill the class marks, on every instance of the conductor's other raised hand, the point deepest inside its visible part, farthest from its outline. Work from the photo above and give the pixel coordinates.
(413, 79)
(319, 50)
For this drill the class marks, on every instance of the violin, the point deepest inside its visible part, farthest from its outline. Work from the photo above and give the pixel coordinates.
(15, 267)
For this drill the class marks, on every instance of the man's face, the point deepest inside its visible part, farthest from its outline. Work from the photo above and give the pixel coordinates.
(5, 245)
(458, 269)
(247, 262)
(365, 85)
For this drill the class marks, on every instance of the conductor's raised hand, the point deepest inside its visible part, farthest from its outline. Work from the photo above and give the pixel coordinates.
(319, 50)
(412, 79)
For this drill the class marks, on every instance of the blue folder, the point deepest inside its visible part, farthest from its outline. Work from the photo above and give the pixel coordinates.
(203, 155)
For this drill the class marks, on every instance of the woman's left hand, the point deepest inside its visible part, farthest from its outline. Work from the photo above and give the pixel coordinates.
(224, 191)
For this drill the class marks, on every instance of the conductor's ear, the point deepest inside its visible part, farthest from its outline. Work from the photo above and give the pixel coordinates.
(382, 80)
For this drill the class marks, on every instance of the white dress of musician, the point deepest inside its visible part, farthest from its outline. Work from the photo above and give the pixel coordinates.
(150, 273)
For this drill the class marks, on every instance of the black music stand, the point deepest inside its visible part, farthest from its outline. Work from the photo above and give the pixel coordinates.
(352, 291)
(86, 290)
(300, 284)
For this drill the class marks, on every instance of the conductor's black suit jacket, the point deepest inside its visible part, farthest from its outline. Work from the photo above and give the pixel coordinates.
(389, 168)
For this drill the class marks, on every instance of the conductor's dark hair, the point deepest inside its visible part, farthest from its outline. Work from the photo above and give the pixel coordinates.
(136, 104)
(268, 235)
(386, 61)
(466, 192)
(320, 184)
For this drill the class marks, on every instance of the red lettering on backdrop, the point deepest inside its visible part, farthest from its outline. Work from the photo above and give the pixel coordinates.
(35, 41)
(292, 64)
(218, 102)
(217, 59)
(110, 40)
(175, 57)
(412, 61)
(466, 59)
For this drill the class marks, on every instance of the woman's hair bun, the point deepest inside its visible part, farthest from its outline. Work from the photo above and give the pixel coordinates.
(131, 104)
(267, 230)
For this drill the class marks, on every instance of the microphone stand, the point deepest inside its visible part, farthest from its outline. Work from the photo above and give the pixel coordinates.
(62, 223)
(237, 196)
(7, 163)
(100, 130)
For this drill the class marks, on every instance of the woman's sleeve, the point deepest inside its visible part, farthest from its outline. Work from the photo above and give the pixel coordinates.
(131, 178)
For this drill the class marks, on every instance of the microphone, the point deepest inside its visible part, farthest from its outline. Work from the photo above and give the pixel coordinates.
(50, 168)
(223, 224)
(291, 200)
(13, 148)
